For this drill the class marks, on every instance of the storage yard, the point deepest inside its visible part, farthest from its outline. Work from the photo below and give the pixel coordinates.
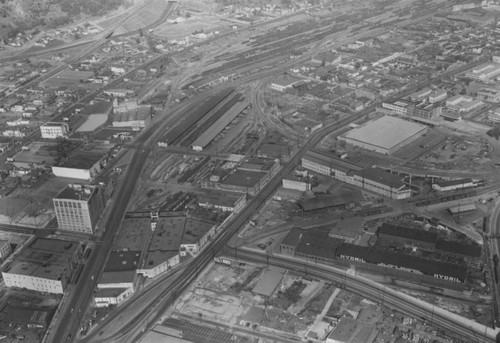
(293, 307)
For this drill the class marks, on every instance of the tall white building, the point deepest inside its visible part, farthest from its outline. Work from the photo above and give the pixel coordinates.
(54, 130)
(78, 207)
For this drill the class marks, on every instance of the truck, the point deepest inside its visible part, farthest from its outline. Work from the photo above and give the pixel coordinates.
(222, 260)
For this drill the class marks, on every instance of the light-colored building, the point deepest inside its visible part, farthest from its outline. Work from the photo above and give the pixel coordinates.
(46, 265)
(121, 93)
(494, 115)
(384, 135)
(79, 166)
(78, 207)
(327, 58)
(105, 297)
(283, 82)
(135, 118)
(451, 185)
(466, 6)
(5, 249)
(437, 95)
(328, 164)
(484, 72)
(421, 94)
(381, 182)
(114, 287)
(14, 133)
(372, 179)
(168, 261)
(489, 94)
(463, 103)
(399, 107)
(300, 184)
(224, 201)
(54, 130)
(119, 70)
(455, 100)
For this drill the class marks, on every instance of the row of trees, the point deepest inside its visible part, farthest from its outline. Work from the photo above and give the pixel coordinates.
(30, 14)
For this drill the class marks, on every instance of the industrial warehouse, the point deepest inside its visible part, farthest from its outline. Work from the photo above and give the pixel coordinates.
(372, 179)
(206, 121)
(385, 135)
(397, 246)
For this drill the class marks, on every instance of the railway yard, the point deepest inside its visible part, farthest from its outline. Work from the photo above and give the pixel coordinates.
(322, 171)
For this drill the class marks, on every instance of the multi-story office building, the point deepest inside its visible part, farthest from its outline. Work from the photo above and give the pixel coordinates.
(78, 207)
(54, 130)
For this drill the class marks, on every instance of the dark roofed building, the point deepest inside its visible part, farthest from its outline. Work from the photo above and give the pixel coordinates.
(462, 209)
(317, 245)
(391, 234)
(287, 246)
(410, 263)
(122, 261)
(274, 150)
(99, 107)
(342, 199)
(225, 201)
(268, 282)
(347, 229)
(314, 244)
(460, 248)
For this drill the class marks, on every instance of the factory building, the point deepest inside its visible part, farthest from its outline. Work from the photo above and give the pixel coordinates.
(116, 283)
(82, 166)
(381, 182)
(46, 265)
(484, 72)
(372, 179)
(136, 118)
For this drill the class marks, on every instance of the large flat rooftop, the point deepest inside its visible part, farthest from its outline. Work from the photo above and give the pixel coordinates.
(81, 160)
(122, 261)
(140, 113)
(386, 132)
(168, 234)
(194, 230)
(244, 178)
(44, 258)
(133, 233)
